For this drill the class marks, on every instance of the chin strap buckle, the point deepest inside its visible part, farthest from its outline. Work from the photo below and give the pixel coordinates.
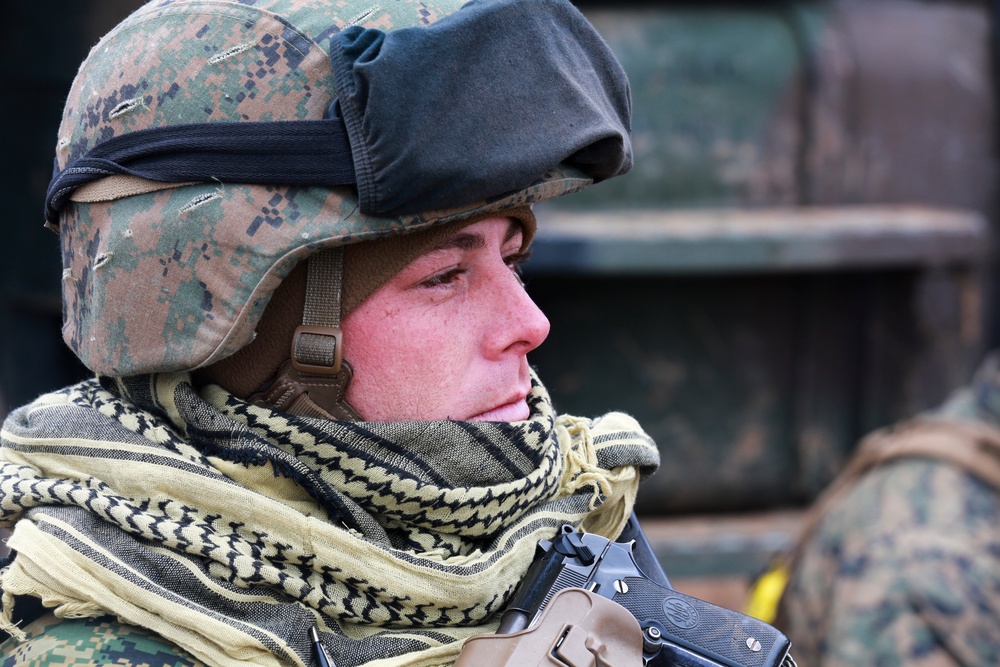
(317, 350)
(313, 382)
(318, 343)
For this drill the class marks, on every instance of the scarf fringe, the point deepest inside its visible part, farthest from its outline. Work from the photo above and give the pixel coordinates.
(613, 491)
(17, 582)
(7, 623)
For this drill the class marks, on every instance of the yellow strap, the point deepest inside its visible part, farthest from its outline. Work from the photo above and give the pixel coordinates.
(765, 594)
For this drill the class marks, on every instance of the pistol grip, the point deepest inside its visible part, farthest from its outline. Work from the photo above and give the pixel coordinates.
(722, 635)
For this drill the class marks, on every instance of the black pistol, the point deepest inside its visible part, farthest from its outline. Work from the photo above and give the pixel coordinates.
(677, 629)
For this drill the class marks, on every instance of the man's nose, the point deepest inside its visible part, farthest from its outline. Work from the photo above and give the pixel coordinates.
(519, 325)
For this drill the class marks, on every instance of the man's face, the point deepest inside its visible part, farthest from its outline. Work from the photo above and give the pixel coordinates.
(446, 337)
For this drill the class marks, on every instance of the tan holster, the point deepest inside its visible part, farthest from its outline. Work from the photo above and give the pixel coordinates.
(577, 628)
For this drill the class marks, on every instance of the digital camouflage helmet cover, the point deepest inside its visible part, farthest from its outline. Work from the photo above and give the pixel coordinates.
(208, 146)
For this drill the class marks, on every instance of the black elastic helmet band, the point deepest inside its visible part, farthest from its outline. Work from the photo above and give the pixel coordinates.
(308, 152)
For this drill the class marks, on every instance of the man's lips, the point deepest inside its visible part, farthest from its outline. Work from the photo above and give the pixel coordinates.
(514, 411)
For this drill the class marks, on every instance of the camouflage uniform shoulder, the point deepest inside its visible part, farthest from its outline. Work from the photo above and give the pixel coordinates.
(93, 642)
(980, 400)
(903, 570)
(903, 566)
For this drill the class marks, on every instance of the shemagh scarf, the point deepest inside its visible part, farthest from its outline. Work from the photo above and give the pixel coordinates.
(232, 529)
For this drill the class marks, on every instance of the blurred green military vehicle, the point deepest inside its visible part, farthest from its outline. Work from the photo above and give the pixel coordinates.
(799, 255)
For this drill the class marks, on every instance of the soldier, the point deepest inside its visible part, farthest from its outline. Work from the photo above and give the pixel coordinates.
(290, 235)
(900, 561)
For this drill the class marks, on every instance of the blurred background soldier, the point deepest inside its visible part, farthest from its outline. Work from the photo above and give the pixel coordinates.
(900, 561)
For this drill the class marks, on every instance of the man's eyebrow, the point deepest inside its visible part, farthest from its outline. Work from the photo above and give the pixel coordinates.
(472, 241)
(462, 241)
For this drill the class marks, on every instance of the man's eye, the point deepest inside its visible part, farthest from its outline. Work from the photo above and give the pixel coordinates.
(516, 262)
(443, 278)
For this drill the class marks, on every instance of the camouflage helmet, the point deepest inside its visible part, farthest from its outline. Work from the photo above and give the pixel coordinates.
(166, 273)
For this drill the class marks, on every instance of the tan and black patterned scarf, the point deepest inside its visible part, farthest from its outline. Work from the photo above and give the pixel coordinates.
(231, 529)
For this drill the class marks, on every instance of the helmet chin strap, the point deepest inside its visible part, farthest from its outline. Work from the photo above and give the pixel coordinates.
(313, 381)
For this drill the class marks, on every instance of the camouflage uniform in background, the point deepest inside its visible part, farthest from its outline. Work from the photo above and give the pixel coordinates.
(905, 568)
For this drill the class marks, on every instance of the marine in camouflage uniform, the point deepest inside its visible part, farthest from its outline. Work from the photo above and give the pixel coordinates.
(209, 496)
(904, 568)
